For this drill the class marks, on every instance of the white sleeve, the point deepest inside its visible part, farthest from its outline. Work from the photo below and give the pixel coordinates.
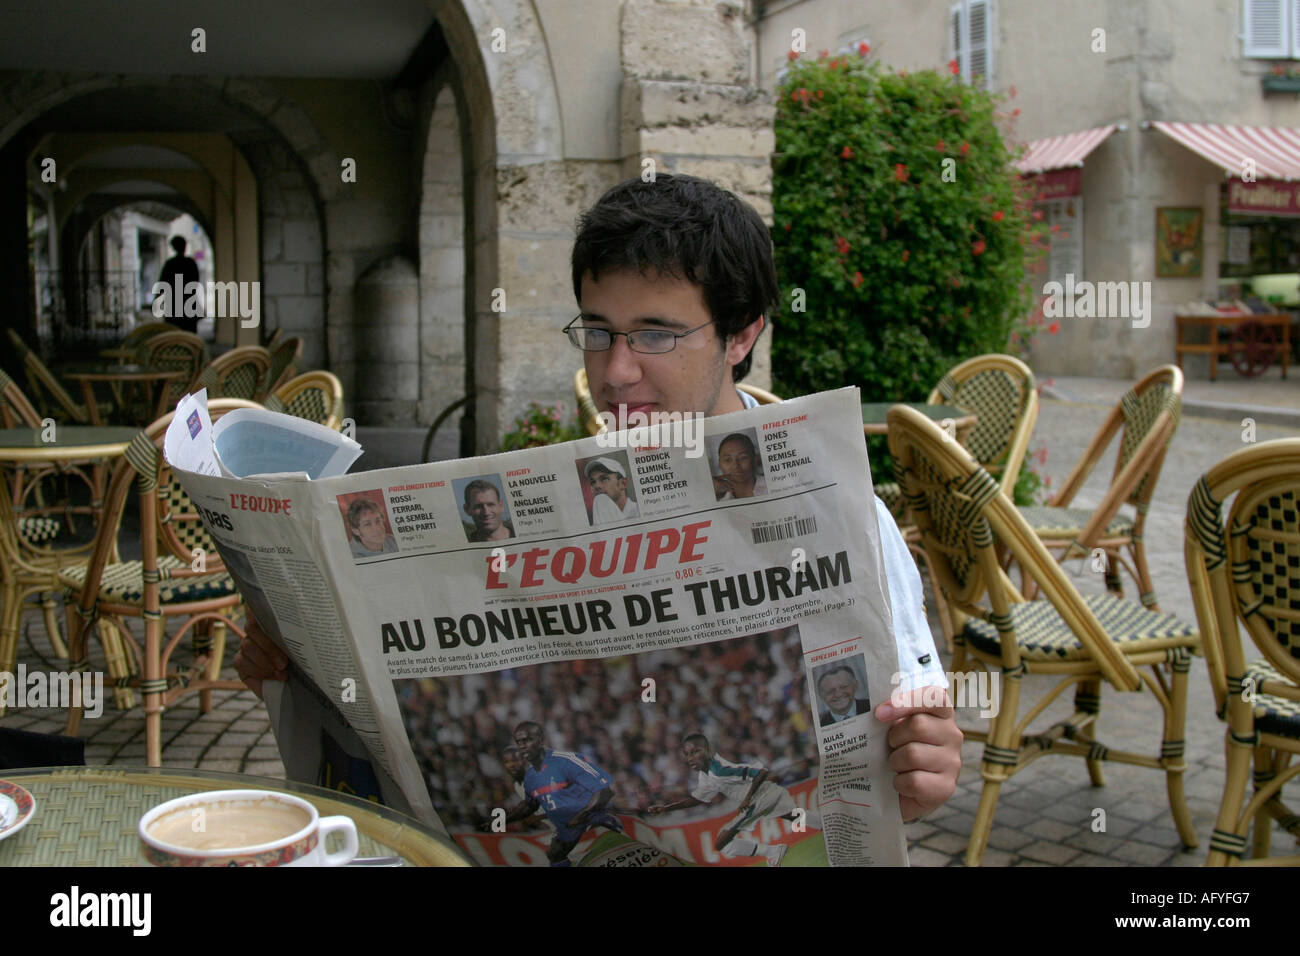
(918, 659)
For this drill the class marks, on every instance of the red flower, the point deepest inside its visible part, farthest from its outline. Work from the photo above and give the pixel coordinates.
(939, 146)
(842, 245)
(857, 279)
(864, 49)
(1278, 70)
(1013, 92)
(787, 226)
(792, 55)
(977, 249)
(999, 216)
(823, 54)
(954, 67)
(900, 172)
(1016, 111)
(1038, 214)
(907, 254)
(820, 94)
(965, 148)
(1054, 328)
(846, 152)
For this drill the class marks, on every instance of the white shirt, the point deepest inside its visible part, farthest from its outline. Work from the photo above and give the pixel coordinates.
(603, 510)
(918, 659)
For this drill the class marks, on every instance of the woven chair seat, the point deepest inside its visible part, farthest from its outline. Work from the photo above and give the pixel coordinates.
(1044, 635)
(38, 530)
(123, 583)
(1273, 714)
(1049, 522)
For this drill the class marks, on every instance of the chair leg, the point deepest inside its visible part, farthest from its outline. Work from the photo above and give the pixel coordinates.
(1087, 698)
(1263, 819)
(213, 671)
(1005, 747)
(1228, 841)
(152, 688)
(1173, 746)
(10, 618)
(78, 641)
(979, 834)
(48, 606)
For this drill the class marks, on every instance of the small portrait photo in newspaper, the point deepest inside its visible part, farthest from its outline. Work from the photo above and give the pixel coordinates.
(606, 483)
(365, 518)
(736, 465)
(484, 514)
(841, 690)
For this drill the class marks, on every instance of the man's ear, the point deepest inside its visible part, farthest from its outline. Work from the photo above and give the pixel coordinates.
(740, 344)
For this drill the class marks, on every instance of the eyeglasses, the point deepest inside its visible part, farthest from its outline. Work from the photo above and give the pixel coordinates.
(649, 341)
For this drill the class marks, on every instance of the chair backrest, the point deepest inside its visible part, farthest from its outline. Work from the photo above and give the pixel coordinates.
(16, 411)
(1146, 418)
(315, 396)
(169, 522)
(587, 412)
(284, 364)
(1246, 570)
(175, 352)
(142, 333)
(42, 381)
(1001, 391)
(239, 373)
(959, 510)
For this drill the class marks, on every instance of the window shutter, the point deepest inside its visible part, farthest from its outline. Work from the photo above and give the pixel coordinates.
(1266, 28)
(980, 72)
(1295, 30)
(955, 51)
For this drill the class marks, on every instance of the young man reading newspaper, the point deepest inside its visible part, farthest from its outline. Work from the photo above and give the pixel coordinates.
(675, 278)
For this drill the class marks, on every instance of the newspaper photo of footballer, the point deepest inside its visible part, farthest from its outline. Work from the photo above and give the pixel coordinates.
(841, 689)
(365, 518)
(704, 754)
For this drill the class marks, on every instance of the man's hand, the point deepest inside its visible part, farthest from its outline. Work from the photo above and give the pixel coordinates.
(924, 749)
(258, 658)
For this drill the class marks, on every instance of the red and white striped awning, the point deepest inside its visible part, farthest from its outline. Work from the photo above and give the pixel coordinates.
(1062, 152)
(1275, 150)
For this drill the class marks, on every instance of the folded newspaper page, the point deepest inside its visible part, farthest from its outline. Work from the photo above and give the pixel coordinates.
(653, 647)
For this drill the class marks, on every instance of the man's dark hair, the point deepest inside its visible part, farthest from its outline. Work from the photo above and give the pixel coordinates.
(739, 439)
(357, 508)
(686, 228)
(845, 668)
(477, 485)
(528, 725)
(697, 736)
(178, 244)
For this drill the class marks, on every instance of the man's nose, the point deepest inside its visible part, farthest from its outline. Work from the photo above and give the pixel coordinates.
(622, 365)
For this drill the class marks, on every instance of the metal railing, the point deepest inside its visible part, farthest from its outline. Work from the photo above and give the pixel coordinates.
(85, 308)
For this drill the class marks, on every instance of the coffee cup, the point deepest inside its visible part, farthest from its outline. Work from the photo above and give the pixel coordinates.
(243, 828)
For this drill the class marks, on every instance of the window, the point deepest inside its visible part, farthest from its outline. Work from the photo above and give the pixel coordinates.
(970, 28)
(1271, 29)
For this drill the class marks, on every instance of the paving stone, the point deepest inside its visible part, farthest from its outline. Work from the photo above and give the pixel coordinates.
(950, 843)
(1046, 852)
(1004, 838)
(920, 856)
(1052, 830)
(1143, 854)
(916, 832)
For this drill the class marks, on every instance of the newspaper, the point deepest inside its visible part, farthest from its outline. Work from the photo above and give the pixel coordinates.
(589, 653)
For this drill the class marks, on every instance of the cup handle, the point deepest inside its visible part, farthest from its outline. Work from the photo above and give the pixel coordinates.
(351, 846)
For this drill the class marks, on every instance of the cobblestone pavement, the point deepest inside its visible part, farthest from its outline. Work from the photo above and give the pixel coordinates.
(1046, 812)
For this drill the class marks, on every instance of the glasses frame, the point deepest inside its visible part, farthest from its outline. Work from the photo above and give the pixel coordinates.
(569, 330)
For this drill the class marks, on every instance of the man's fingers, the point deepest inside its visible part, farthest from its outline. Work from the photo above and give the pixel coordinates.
(926, 728)
(923, 757)
(258, 638)
(922, 700)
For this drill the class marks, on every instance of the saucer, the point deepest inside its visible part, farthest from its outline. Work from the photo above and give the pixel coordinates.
(16, 808)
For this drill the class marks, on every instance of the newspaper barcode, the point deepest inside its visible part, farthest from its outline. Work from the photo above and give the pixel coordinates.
(786, 529)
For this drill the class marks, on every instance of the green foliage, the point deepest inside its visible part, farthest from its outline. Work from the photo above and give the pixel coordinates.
(1031, 488)
(541, 425)
(904, 275)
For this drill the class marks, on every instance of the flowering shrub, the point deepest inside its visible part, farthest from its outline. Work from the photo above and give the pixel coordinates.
(1032, 488)
(904, 274)
(541, 425)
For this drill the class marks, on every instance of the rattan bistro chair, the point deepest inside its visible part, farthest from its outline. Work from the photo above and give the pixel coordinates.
(1145, 419)
(239, 373)
(587, 412)
(284, 364)
(53, 399)
(959, 513)
(163, 584)
(174, 352)
(315, 396)
(1245, 573)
